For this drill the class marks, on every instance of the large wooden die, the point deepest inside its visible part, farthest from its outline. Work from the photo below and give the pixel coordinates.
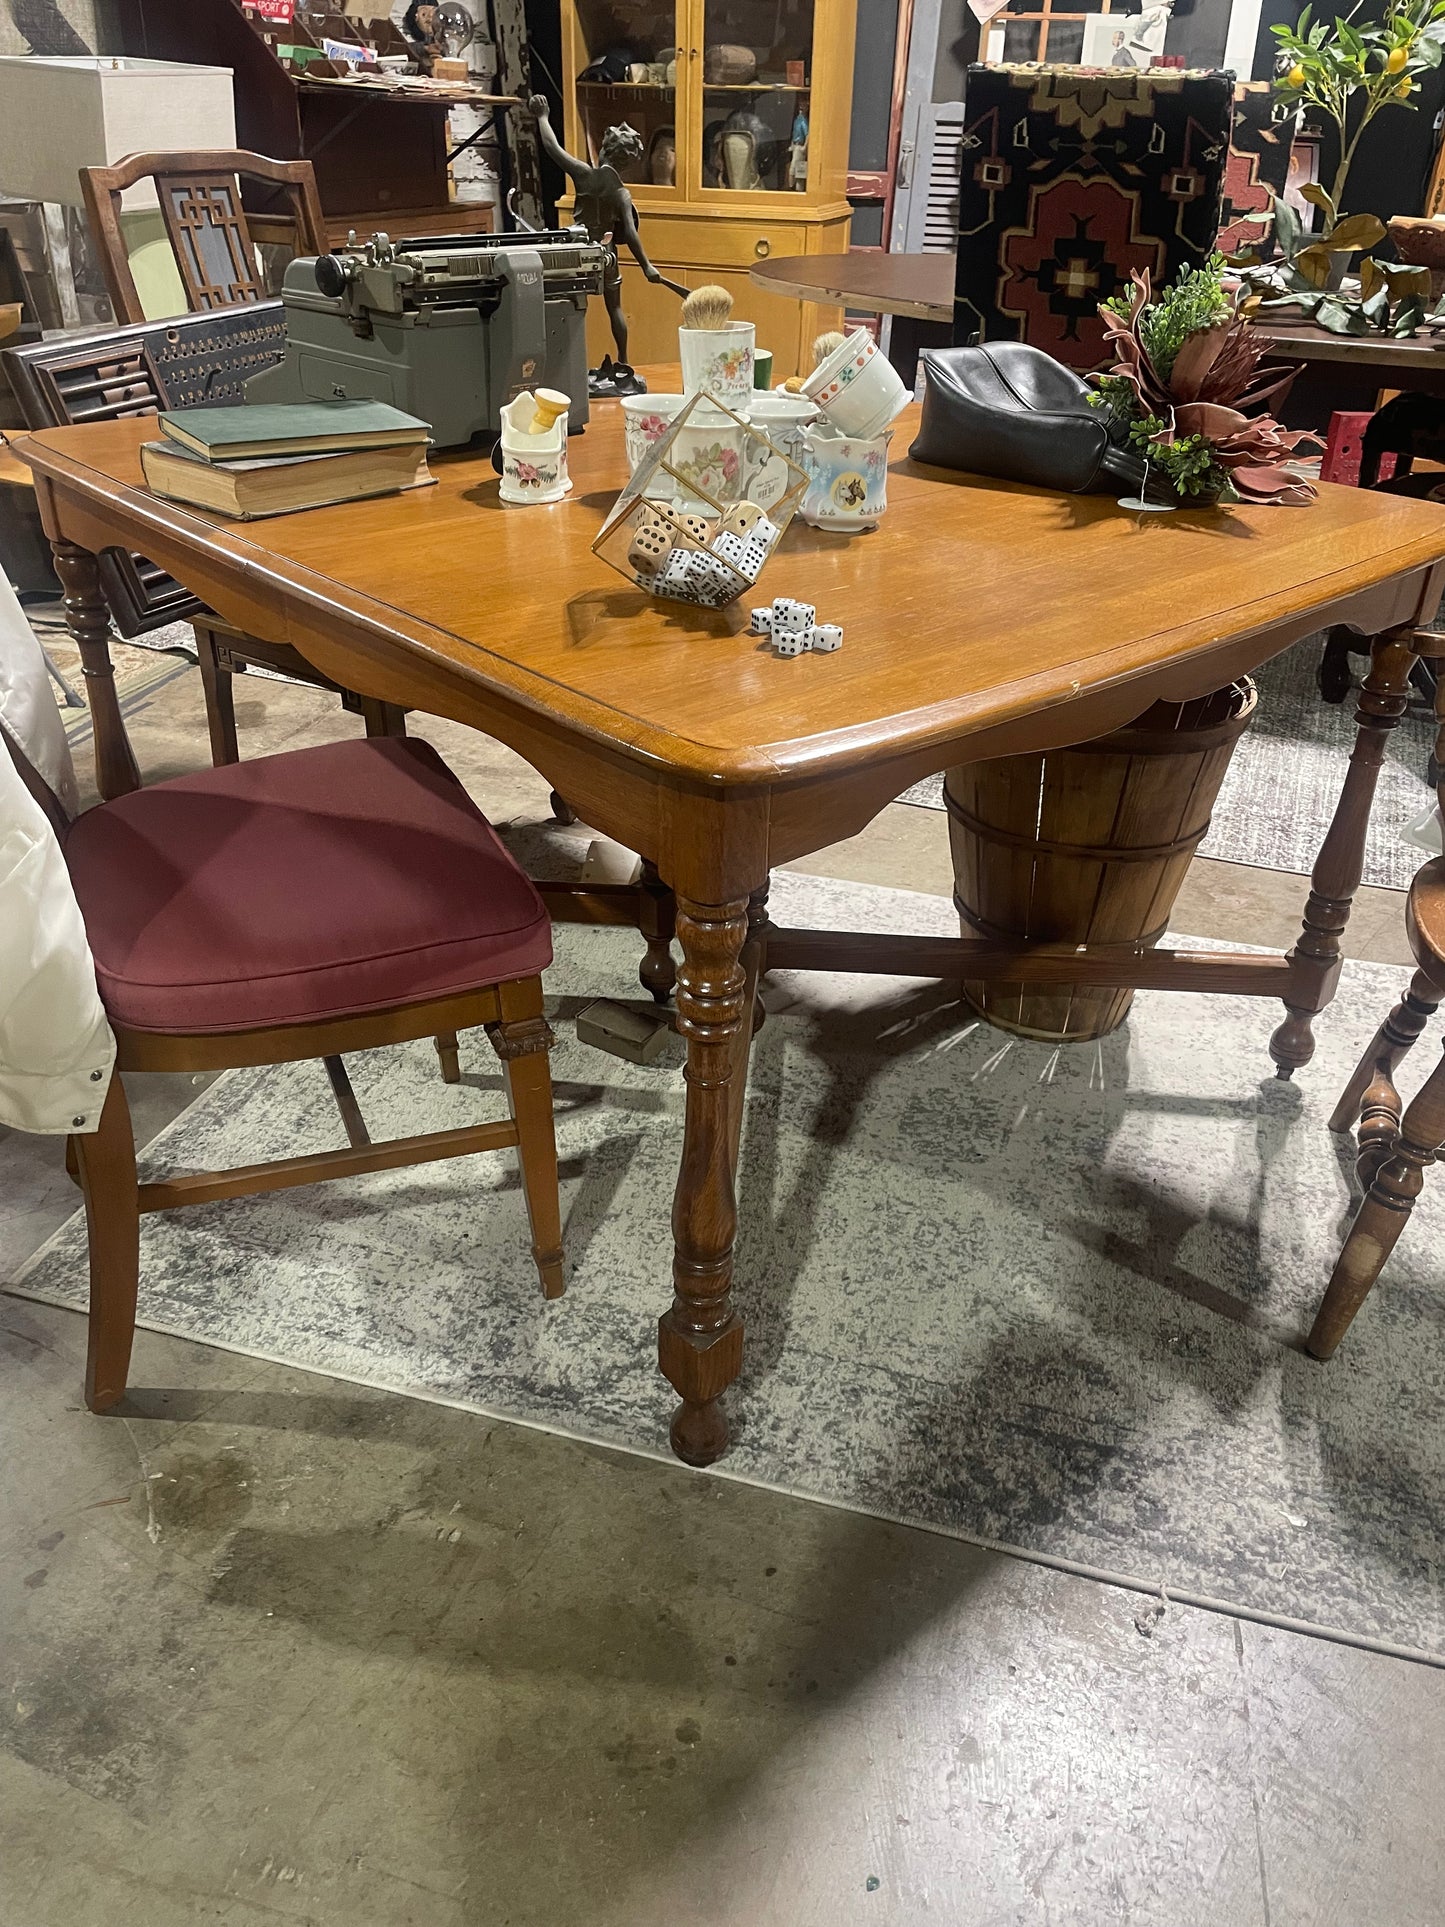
(705, 508)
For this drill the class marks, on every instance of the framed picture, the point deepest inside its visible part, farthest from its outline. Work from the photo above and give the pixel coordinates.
(1304, 167)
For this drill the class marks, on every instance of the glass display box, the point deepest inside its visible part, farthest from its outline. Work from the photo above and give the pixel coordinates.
(705, 508)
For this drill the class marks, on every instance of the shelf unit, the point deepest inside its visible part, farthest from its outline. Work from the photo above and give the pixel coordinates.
(695, 227)
(380, 158)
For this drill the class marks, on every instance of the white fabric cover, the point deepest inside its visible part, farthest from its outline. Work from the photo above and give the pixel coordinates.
(57, 1053)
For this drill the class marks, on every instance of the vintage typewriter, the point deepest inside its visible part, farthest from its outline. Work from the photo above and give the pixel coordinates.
(449, 328)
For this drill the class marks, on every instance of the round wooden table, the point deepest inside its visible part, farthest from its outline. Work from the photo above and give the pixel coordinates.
(919, 285)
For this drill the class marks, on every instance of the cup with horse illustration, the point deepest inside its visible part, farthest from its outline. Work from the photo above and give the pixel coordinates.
(847, 479)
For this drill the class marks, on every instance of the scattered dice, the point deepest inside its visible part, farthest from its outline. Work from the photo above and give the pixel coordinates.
(795, 617)
(793, 636)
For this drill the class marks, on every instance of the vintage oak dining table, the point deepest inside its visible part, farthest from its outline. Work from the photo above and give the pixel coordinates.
(982, 619)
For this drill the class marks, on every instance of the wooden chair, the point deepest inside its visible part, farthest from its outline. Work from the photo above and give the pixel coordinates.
(1394, 1150)
(212, 237)
(118, 372)
(300, 905)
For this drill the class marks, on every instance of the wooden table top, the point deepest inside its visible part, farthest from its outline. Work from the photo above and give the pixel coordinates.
(973, 604)
(921, 285)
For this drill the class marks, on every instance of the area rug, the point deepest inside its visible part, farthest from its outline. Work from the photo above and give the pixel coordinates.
(142, 665)
(1284, 779)
(1049, 1300)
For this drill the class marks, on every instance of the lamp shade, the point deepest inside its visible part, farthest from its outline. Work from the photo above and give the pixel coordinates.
(59, 115)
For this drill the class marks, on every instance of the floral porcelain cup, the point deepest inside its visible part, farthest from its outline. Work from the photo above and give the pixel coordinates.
(710, 453)
(857, 388)
(645, 420)
(719, 362)
(848, 479)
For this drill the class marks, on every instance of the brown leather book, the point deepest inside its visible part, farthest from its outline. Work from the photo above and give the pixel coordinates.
(280, 485)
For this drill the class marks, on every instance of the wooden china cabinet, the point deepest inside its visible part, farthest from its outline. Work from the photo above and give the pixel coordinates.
(720, 92)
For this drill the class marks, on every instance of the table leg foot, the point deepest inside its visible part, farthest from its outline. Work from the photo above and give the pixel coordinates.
(1293, 1044)
(699, 1371)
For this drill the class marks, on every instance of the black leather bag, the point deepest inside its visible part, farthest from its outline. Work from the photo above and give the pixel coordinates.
(1011, 411)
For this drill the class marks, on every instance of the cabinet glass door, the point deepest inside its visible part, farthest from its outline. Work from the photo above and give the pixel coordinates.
(627, 76)
(757, 73)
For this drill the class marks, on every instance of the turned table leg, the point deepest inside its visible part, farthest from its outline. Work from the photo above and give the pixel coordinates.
(753, 954)
(88, 620)
(657, 920)
(700, 1339)
(1341, 861)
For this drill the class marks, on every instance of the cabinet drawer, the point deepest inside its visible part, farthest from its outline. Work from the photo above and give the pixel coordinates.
(730, 242)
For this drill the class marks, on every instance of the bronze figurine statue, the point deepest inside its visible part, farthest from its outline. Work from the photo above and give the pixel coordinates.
(605, 208)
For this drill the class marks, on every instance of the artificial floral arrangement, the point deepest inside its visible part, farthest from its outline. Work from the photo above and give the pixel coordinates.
(1330, 70)
(1186, 374)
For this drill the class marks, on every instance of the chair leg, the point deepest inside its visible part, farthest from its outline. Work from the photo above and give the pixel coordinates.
(106, 1159)
(382, 719)
(218, 684)
(1372, 1080)
(446, 1045)
(1382, 1216)
(657, 920)
(521, 1040)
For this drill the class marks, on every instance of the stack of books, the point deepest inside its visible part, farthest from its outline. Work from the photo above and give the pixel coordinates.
(281, 456)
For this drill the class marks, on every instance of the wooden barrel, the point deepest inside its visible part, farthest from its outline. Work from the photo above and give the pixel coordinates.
(1087, 844)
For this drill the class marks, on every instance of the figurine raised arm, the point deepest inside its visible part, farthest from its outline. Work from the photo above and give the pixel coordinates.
(605, 208)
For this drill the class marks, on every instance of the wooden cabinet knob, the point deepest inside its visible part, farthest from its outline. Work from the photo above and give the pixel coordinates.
(762, 245)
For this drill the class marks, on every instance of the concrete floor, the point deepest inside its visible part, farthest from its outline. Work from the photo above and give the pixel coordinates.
(279, 1648)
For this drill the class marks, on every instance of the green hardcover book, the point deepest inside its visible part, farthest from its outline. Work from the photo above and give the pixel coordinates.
(290, 428)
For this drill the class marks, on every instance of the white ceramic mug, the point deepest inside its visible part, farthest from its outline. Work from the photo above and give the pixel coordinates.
(783, 419)
(847, 479)
(711, 452)
(645, 420)
(719, 362)
(857, 388)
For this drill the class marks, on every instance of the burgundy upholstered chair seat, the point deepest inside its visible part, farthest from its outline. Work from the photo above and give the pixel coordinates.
(317, 883)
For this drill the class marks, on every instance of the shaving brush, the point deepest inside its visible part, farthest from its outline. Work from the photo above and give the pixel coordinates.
(547, 405)
(824, 346)
(707, 309)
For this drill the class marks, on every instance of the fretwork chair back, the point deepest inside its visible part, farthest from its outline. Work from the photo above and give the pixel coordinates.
(190, 361)
(299, 906)
(1394, 1149)
(212, 237)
